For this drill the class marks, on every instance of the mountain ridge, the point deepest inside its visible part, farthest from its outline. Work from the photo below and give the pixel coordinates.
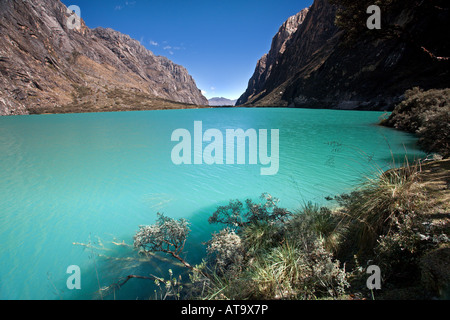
(45, 67)
(221, 101)
(268, 61)
(318, 69)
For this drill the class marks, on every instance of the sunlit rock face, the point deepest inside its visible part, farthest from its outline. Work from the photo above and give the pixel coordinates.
(45, 62)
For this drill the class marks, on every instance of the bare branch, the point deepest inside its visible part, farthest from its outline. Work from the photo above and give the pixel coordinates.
(167, 236)
(433, 56)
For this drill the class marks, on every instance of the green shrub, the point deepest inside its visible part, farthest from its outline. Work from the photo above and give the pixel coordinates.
(235, 215)
(271, 256)
(316, 222)
(260, 237)
(226, 251)
(374, 209)
(302, 270)
(426, 113)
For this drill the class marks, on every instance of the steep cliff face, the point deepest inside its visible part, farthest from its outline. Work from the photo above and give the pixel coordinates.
(47, 67)
(318, 70)
(164, 78)
(269, 61)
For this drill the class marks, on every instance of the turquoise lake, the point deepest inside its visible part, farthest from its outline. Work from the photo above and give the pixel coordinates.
(95, 178)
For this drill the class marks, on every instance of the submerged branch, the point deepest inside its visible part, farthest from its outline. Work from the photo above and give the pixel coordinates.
(107, 290)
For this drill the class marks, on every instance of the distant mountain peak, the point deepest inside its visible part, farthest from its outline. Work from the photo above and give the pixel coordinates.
(221, 101)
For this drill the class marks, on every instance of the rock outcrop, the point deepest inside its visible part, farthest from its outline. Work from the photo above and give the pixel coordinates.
(318, 69)
(45, 66)
(269, 61)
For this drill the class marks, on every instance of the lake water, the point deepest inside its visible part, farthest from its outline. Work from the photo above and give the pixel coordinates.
(95, 178)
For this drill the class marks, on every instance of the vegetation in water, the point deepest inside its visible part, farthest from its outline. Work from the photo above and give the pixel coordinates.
(397, 220)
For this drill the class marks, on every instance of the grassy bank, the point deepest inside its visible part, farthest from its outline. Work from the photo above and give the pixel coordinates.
(398, 221)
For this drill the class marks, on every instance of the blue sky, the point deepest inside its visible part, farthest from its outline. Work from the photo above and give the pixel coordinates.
(218, 41)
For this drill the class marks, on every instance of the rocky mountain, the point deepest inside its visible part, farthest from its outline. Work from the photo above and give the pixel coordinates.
(46, 66)
(320, 68)
(270, 60)
(220, 101)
